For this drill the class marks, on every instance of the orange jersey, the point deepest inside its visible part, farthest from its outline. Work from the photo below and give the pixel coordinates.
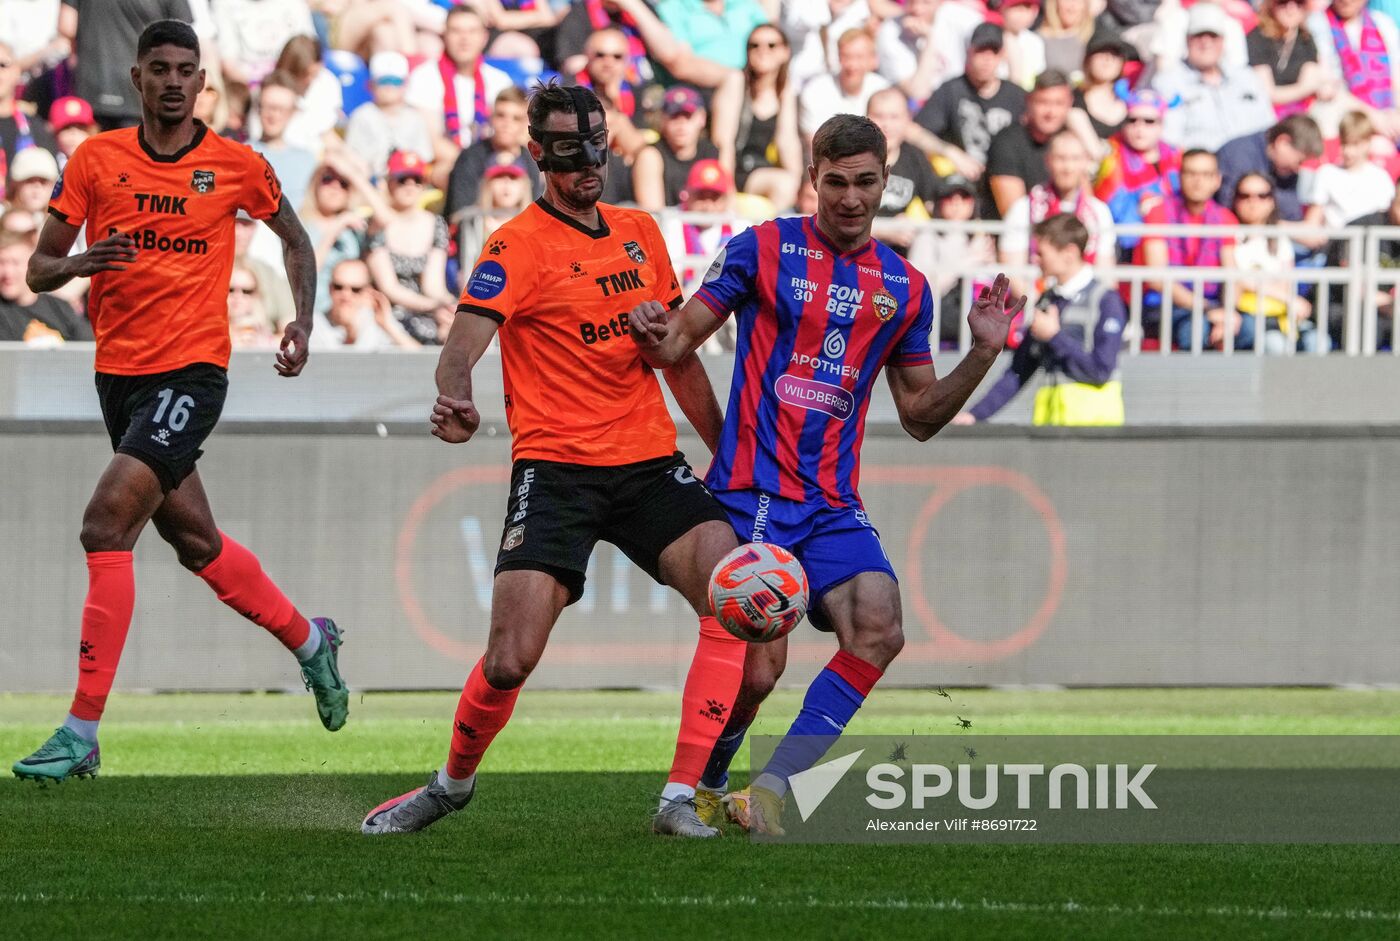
(169, 308)
(576, 387)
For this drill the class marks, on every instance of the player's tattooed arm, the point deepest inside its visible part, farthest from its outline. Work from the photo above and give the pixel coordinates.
(51, 267)
(455, 417)
(665, 338)
(926, 403)
(299, 258)
(690, 384)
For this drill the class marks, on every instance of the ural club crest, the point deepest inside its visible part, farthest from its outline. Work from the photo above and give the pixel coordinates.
(202, 181)
(634, 252)
(885, 305)
(514, 537)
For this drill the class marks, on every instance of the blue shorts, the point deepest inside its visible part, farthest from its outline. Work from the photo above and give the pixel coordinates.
(834, 544)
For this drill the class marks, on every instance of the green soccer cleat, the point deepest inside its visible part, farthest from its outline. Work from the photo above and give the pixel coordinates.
(65, 754)
(322, 676)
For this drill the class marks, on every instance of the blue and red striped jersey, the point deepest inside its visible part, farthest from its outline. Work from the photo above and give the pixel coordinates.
(814, 329)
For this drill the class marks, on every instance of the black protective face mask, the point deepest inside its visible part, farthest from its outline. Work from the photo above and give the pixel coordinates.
(588, 155)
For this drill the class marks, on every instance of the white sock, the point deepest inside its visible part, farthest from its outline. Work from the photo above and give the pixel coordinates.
(675, 791)
(456, 787)
(771, 782)
(309, 647)
(87, 728)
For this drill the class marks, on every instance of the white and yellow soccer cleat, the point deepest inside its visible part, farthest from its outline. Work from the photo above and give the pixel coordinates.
(709, 807)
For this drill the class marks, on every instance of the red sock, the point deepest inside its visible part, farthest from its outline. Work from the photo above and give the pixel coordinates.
(482, 711)
(710, 689)
(106, 619)
(240, 583)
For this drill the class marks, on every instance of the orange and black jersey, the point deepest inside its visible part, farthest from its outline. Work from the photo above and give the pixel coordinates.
(169, 308)
(577, 390)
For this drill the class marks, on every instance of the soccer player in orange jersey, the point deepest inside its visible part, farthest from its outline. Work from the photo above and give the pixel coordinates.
(159, 201)
(594, 451)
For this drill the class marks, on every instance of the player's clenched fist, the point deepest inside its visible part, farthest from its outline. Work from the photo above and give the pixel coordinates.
(113, 253)
(647, 323)
(455, 420)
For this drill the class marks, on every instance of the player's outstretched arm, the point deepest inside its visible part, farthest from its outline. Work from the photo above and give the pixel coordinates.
(926, 403)
(51, 267)
(455, 418)
(666, 338)
(299, 258)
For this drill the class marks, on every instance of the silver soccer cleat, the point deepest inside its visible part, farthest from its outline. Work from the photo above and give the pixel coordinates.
(414, 811)
(679, 818)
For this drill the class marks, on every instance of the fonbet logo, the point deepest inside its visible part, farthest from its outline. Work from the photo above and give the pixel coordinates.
(892, 787)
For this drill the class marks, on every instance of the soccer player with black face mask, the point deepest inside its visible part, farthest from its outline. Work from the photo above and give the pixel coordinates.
(594, 451)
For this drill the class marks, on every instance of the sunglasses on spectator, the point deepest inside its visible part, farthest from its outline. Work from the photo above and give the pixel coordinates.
(619, 56)
(1142, 119)
(330, 179)
(352, 288)
(235, 289)
(772, 44)
(1254, 194)
(1290, 3)
(401, 180)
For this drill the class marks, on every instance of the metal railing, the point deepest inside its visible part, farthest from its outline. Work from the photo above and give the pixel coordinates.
(1354, 318)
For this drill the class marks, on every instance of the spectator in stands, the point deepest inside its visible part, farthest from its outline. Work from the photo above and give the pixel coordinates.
(649, 39)
(252, 34)
(1217, 102)
(72, 122)
(1099, 110)
(1075, 335)
(32, 177)
(964, 114)
(1388, 258)
(1016, 158)
(359, 316)
(606, 73)
(814, 28)
(911, 186)
(1025, 49)
(533, 17)
(951, 257)
(714, 29)
(1355, 187)
(1066, 30)
(319, 105)
(708, 189)
(26, 317)
(456, 90)
(31, 30)
(1284, 57)
(368, 27)
(505, 192)
(505, 145)
(1279, 154)
(1068, 190)
(660, 171)
(17, 130)
(251, 250)
(408, 255)
(1139, 169)
(248, 324)
(104, 34)
(755, 121)
(926, 45)
(277, 102)
(386, 124)
(1361, 47)
(1167, 43)
(847, 91)
(1274, 296)
(1200, 180)
(333, 217)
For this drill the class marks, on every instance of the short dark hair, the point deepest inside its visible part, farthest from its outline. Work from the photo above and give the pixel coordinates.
(847, 135)
(550, 97)
(167, 33)
(1063, 230)
(1200, 152)
(1301, 130)
(1050, 78)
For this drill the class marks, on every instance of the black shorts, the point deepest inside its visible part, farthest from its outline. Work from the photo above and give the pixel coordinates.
(162, 419)
(557, 512)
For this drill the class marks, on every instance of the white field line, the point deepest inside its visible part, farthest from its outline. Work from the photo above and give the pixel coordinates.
(737, 902)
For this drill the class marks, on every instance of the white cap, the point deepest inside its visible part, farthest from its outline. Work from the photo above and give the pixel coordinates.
(34, 162)
(1207, 17)
(388, 64)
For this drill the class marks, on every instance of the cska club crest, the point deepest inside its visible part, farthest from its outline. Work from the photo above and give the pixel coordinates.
(885, 305)
(634, 252)
(202, 181)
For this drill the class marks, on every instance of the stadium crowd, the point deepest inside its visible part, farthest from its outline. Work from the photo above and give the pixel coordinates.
(398, 130)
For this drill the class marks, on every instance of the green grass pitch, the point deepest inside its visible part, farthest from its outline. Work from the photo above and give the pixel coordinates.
(237, 816)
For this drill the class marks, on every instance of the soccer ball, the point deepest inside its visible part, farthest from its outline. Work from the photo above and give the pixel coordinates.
(758, 592)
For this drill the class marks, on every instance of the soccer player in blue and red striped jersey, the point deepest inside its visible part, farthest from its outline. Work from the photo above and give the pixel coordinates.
(822, 308)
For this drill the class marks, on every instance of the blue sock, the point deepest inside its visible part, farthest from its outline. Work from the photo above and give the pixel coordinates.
(831, 702)
(716, 775)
